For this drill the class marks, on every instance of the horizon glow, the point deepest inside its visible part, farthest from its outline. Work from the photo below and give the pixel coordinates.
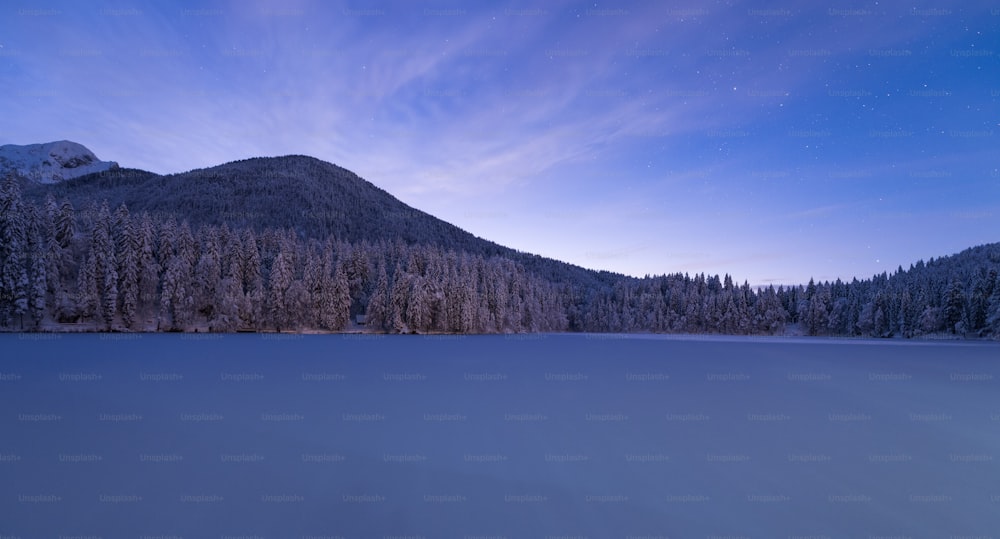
(773, 142)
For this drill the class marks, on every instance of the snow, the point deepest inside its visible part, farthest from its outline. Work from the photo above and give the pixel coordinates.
(289, 435)
(51, 162)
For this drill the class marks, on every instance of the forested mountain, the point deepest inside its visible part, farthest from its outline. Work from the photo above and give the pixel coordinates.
(312, 198)
(294, 244)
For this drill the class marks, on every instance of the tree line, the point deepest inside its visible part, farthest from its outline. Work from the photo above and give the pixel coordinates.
(107, 269)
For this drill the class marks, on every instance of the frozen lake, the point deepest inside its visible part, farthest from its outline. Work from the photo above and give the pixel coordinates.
(490, 436)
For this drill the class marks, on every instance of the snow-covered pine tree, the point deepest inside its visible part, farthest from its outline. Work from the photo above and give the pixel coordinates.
(127, 260)
(418, 314)
(207, 275)
(102, 252)
(453, 295)
(358, 272)
(954, 307)
(65, 224)
(377, 311)
(232, 259)
(227, 312)
(252, 306)
(87, 298)
(230, 291)
(513, 292)
(978, 303)
(53, 251)
(186, 246)
(433, 292)
(469, 304)
(315, 283)
(818, 309)
(337, 307)
(65, 232)
(296, 302)
(485, 320)
(37, 249)
(177, 247)
(398, 299)
(279, 281)
(496, 295)
(166, 240)
(148, 267)
(993, 311)
(13, 255)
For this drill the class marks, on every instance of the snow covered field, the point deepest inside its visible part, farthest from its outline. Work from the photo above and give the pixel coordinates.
(119, 435)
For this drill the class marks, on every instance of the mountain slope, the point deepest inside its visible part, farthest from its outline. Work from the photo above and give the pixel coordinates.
(314, 198)
(429, 274)
(51, 162)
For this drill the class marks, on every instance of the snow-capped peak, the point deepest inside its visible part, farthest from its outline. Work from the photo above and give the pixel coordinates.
(51, 162)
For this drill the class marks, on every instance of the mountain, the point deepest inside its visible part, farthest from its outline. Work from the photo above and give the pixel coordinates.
(51, 162)
(295, 243)
(314, 198)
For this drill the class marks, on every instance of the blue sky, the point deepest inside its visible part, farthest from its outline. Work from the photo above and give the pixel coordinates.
(772, 141)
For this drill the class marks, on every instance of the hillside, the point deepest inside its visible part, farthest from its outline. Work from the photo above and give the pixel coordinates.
(294, 243)
(314, 198)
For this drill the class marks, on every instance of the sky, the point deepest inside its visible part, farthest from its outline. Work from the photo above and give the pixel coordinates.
(775, 142)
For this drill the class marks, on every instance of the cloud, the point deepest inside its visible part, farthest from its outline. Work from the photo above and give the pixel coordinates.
(820, 212)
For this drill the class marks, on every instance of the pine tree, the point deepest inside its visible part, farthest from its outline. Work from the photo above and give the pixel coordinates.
(227, 316)
(433, 293)
(166, 241)
(398, 299)
(177, 247)
(126, 249)
(148, 268)
(417, 305)
(229, 297)
(13, 255)
(87, 298)
(469, 302)
(376, 314)
(252, 306)
(954, 307)
(818, 317)
(64, 230)
(296, 300)
(53, 251)
(772, 313)
(207, 277)
(496, 298)
(358, 272)
(102, 253)
(185, 245)
(65, 224)
(513, 304)
(993, 311)
(931, 320)
(837, 323)
(59, 264)
(315, 284)
(165, 317)
(978, 305)
(904, 322)
(336, 310)
(277, 293)
(37, 267)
